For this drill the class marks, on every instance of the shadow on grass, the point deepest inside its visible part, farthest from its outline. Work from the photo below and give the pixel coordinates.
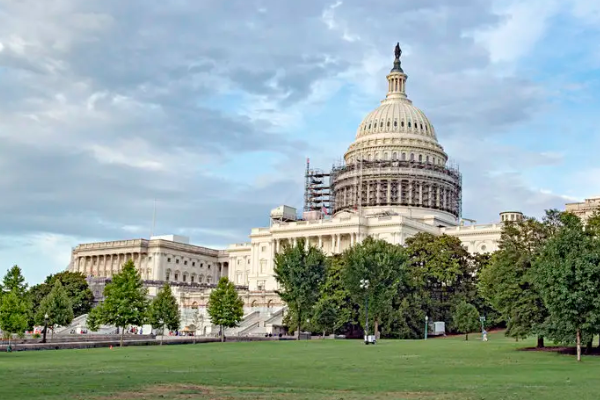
(191, 392)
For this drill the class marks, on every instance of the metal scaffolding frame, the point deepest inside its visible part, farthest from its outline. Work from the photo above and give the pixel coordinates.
(317, 190)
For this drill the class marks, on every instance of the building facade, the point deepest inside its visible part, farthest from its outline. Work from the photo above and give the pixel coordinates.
(585, 209)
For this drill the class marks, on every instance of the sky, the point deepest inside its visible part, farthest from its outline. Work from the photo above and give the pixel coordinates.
(211, 107)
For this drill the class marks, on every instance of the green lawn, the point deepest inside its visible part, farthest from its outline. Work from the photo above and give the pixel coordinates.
(435, 369)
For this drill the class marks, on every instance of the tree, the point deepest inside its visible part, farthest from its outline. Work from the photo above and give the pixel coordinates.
(225, 307)
(125, 300)
(14, 281)
(15, 307)
(14, 313)
(508, 281)
(466, 318)
(382, 264)
(57, 306)
(164, 311)
(324, 316)
(443, 271)
(300, 273)
(567, 275)
(334, 293)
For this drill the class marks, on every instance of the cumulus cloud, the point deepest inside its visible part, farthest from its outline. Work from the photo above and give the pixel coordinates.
(106, 106)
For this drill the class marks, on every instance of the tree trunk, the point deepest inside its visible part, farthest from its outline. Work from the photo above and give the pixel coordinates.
(299, 321)
(376, 328)
(222, 334)
(466, 336)
(162, 336)
(52, 334)
(540, 342)
(323, 334)
(122, 333)
(578, 345)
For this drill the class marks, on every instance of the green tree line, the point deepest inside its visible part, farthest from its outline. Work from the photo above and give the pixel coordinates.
(543, 281)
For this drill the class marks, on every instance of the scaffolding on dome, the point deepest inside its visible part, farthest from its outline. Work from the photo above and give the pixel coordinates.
(318, 195)
(397, 183)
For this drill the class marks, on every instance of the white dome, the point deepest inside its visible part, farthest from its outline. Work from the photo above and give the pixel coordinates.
(396, 116)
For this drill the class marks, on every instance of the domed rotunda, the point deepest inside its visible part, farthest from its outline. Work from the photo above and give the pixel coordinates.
(396, 164)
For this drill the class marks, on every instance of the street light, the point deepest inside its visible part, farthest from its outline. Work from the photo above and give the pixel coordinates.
(426, 326)
(45, 327)
(364, 284)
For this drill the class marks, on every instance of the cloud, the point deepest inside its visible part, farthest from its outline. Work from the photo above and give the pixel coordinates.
(106, 106)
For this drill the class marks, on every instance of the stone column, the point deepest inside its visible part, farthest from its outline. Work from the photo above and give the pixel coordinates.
(389, 191)
(352, 239)
(320, 241)
(339, 243)
(332, 243)
(410, 192)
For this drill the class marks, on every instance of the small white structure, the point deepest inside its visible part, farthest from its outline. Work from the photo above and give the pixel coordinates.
(439, 328)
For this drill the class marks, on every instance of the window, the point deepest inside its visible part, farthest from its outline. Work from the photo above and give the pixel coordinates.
(177, 261)
(421, 126)
(385, 156)
(409, 124)
(403, 156)
(208, 266)
(208, 279)
(483, 248)
(263, 248)
(185, 262)
(184, 277)
(402, 124)
(193, 263)
(388, 124)
(192, 279)
(369, 126)
(149, 258)
(248, 261)
(412, 156)
(201, 265)
(394, 156)
(427, 158)
(420, 157)
(381, 124)
(169, 259)
(395, 124)
(176, 276)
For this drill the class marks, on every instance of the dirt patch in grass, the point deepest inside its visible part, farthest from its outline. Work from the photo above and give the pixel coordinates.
(196, 392)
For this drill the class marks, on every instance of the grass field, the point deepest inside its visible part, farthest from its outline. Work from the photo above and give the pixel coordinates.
(435, 369)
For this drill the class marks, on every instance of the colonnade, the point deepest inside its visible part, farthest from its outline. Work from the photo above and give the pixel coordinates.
(106, 265)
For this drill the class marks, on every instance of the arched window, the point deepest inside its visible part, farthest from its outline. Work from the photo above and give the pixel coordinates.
(409, 124)
(209, 279)
(412, 156)
(388, 124)
(385, 156)
(193, 278)
(420, 157)
(395, 124)
(394, 156)
(168, 275)
(403, 156)
(427, 159)
(177, 273)
(185, 277)
(200, 278)
(402, 123)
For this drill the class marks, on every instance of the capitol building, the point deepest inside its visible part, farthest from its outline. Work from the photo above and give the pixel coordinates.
(395, 181)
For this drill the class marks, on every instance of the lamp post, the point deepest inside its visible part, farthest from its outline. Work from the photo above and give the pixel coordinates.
(426, 326)
(45, 327)
(364, 284)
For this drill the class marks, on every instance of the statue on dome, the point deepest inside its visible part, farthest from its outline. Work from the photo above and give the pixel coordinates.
(397, 51)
